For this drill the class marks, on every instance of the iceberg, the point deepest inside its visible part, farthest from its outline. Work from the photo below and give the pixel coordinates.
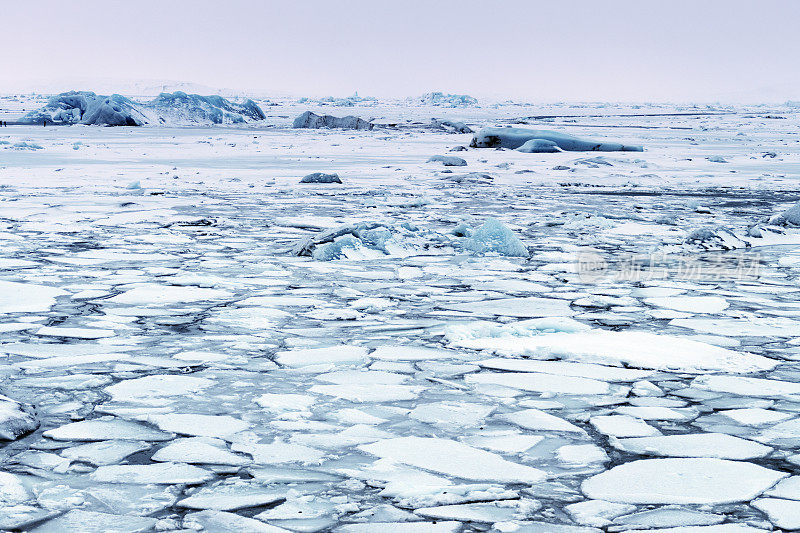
(182, 108)
(314, 121)
(514, 138)
(86, 107)
(178, 108)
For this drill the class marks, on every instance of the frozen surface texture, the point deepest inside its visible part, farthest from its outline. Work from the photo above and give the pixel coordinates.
(553, 342)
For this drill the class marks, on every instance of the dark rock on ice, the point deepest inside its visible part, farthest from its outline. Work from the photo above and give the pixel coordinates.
(448, 160)
(515, 137)
(321, 177)
(314, 121)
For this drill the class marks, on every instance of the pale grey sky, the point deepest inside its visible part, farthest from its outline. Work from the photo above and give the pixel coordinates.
(642, 50)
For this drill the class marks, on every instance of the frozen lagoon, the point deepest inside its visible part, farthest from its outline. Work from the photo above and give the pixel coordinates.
(185, 370)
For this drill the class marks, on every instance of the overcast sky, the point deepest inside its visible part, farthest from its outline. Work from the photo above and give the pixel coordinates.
(641, 50)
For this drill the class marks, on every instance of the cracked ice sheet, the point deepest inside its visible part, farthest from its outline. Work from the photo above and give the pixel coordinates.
(98, 242)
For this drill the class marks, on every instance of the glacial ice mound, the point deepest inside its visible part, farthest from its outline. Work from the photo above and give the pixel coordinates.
(514, 138)
(178, 108)
(314, 121)
(494, 237)
(86, 107)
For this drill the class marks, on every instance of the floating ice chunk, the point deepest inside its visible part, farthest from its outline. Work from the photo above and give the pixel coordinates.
(515, 137)
(784, 514)
(106, 429)
(75, 333)
(717, 445)
(630, 348)
(285, 402)
(370, 393)
(754, 416)
(537, 420)
(506, 443)
(215, 426)
(279, 452)
(224, 522)
(27, 297)
(95, 522)
(155, 390)
(522, 328)
(690, 304)
(448, 160)
(681, 481)
(321, 177)
(657, 412)
(363, 377)
(159, 473)
(668, 517)
(747, 386)
(565, 368)
(152, 294)
(412, 353)
(546, 527)
(401, 527)
(491, 512)
(581, 455)
(538, 146)
(346, 246)
(788, 488)
(16, 419)
(529, 307)
(107, 452)
(231, 496)
(358, 434)
(741, 327)
(597, 513)
(342, 354)
(356, 416)
(453, 459)
(453, 414)
(199, 450)
(545, 383)
(622, 426)
(494, 237)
